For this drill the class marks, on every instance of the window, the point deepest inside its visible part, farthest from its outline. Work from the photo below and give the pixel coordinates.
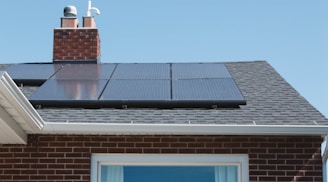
(168, 168)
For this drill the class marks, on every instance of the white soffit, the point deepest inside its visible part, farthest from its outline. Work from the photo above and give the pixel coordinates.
(17, 116)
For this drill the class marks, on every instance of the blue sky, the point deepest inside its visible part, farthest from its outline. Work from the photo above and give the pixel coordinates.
(291, 35)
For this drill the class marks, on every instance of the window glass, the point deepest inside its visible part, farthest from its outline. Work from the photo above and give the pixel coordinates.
(111, 173)
(169, 168)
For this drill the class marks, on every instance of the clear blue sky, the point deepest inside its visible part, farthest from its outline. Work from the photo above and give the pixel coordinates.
(292, 35)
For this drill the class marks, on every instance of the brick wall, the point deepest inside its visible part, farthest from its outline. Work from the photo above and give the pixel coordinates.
(76, 44)
(67, 158)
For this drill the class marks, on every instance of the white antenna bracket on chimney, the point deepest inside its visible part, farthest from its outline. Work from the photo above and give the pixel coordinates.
(92, 9)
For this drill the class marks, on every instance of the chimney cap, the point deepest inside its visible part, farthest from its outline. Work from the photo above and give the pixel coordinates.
(70, 12)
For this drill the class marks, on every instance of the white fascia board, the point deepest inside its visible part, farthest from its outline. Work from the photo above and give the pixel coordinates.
(11, 132)
(20, 104)
(182, 129)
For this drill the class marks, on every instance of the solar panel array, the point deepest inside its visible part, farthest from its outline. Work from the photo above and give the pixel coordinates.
(158, 85)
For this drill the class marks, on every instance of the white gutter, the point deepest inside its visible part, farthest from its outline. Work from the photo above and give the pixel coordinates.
(17, 116)
(182, 129)
(10, 131)
(17, 100)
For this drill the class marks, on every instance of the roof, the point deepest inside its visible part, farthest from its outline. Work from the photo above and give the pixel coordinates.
(273, 107)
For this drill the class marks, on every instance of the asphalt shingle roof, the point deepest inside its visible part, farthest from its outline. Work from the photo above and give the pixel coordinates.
(270, 101)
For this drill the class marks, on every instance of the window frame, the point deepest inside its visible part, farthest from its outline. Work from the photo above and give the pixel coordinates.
(240, 160)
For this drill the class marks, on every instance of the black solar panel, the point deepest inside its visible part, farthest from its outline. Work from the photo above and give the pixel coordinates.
(221, 89)
(85, 71)
(137, 90)
(56, 91)
(199, 71)
(133, 85)
(32, 74)
(142, 71)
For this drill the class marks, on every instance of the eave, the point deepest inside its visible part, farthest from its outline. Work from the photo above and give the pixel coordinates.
(17, 116)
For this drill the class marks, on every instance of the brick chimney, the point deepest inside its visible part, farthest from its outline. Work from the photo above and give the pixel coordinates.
(76, 44)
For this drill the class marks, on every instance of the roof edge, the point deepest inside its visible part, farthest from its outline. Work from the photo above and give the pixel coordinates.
(182, 129)
(13, 100)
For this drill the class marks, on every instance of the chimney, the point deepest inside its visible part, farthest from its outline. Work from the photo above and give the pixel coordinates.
(73, 43)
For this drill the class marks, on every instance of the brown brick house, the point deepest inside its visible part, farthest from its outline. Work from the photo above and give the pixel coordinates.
(275, 136)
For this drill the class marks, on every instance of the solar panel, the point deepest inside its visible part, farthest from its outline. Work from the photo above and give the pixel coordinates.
(32, 74)
(85, 71)
(137, 90)
(142, 71)
(54, 92)
(199, 70)
(223, 90)
(137, 85)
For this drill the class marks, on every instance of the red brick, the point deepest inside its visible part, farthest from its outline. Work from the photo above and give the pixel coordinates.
(116, 139)
(12, 171)
(99, 138)
(16, 166)
(5, 155)
(147, 145)
(169, 151)
(258, 173)
(222, 151)
(72, 177)
(204, 151)
(21, 177)
(92, 144)
(99, 150)
(187, 139)
(187, 151)
(239, 150)
(126, 145)
(64, 171)
(134, 139)
(205, 139)
(56, 166)
(267, 178)
(166, 139)
(37, 177)
(149, 151)
(74, 144)
(116, 150)
(195, 145)
(161, 145)
(57, 144)
(152, 139)
(56, 155)
(232, 145)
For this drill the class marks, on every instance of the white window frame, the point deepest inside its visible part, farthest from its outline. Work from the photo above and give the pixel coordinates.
(240, 160)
